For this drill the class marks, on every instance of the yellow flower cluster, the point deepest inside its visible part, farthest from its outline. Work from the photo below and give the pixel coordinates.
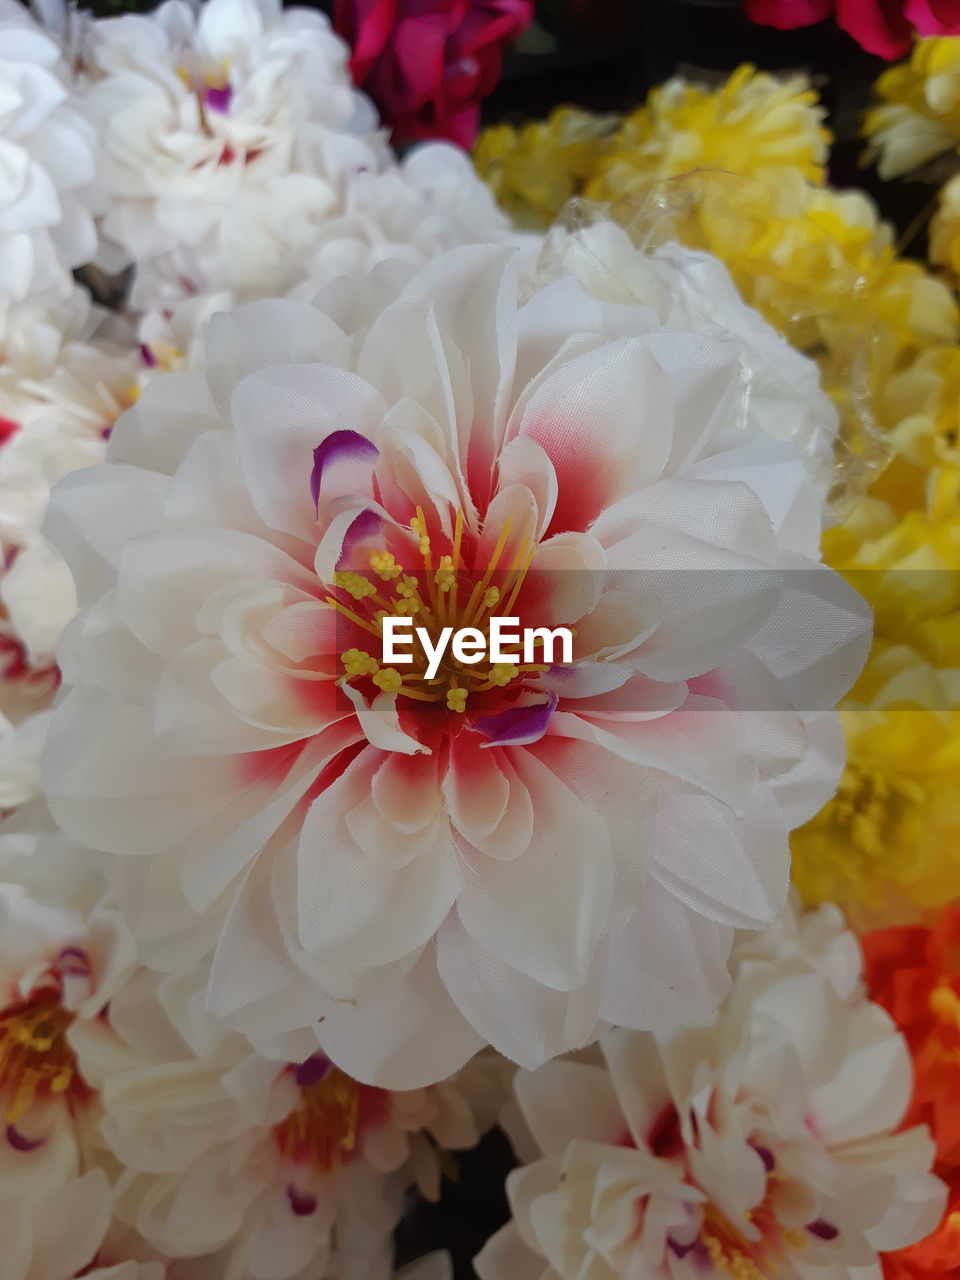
(918, 117)
(887, 847)
(534, 170)
(753, 124)
(917, 121)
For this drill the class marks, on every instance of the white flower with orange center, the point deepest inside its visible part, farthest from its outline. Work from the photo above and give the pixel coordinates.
(310, 1165)
(197, 103)
(401, 866)
(766, 1143)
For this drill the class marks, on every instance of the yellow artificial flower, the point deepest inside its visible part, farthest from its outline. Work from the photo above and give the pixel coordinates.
(886, 848)
(919, 116)
(534, 170)
(908, 568)
(753, 124)
(945, 229)
(919, 410)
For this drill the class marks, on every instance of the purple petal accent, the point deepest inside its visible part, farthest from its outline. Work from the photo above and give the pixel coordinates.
(219, 99)
(339, 444)
(366, 525)
(766, 1155)
(301, 1202)
(74, 962)
(517, 726)
(823, 1230)
(147, 356)
(312, 1070)
(20, 1142)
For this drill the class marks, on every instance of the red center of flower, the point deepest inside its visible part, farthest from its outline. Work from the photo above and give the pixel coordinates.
(450, 588)
(324, 1130)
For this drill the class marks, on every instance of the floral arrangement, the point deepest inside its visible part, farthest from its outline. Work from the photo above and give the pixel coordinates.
(289, 921)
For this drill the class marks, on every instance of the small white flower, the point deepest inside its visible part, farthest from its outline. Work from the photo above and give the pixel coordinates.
(70, 371)
(309, 1165)
(764, 1143)
(47, 166)
(197, 104)
(297, 235)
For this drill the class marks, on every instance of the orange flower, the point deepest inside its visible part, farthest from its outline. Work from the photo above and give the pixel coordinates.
(914, 972)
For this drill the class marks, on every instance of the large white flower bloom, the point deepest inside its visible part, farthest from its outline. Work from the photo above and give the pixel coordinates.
(61, 1234)
(47, 166)
(197, 103)
(265, 1171)
(402, 869)
(763, 1144)
(69, 372)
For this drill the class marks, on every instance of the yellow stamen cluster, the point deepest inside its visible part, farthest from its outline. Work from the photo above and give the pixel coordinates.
(433, 598)
(35, 1058)
(322, 1131)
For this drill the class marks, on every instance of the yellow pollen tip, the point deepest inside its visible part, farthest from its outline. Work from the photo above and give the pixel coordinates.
(388, 679)
(491, 597)
(445, 578)
(184, 75)
(357, 662)
(502, 673)
(384, 566)
(457, 699)
(355, 584)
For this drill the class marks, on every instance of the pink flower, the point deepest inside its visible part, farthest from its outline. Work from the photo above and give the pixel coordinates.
(883, 27)
(428, 64)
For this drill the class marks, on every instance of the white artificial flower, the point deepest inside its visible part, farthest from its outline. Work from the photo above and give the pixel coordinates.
(309, 1167)
(693, 290)
(60, 1234)
(287, 240)
(401, 870)
(763, 1144)
(70, 370)
(47, 167)
(196, 104)
(64, 951)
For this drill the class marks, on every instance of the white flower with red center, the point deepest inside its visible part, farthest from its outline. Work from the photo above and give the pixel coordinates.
(310, 1165)
(69, 372)
(763, 1144)
(48, 166)
(196, 103)
(64, 951)
(61, 1234)
(402, 867)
